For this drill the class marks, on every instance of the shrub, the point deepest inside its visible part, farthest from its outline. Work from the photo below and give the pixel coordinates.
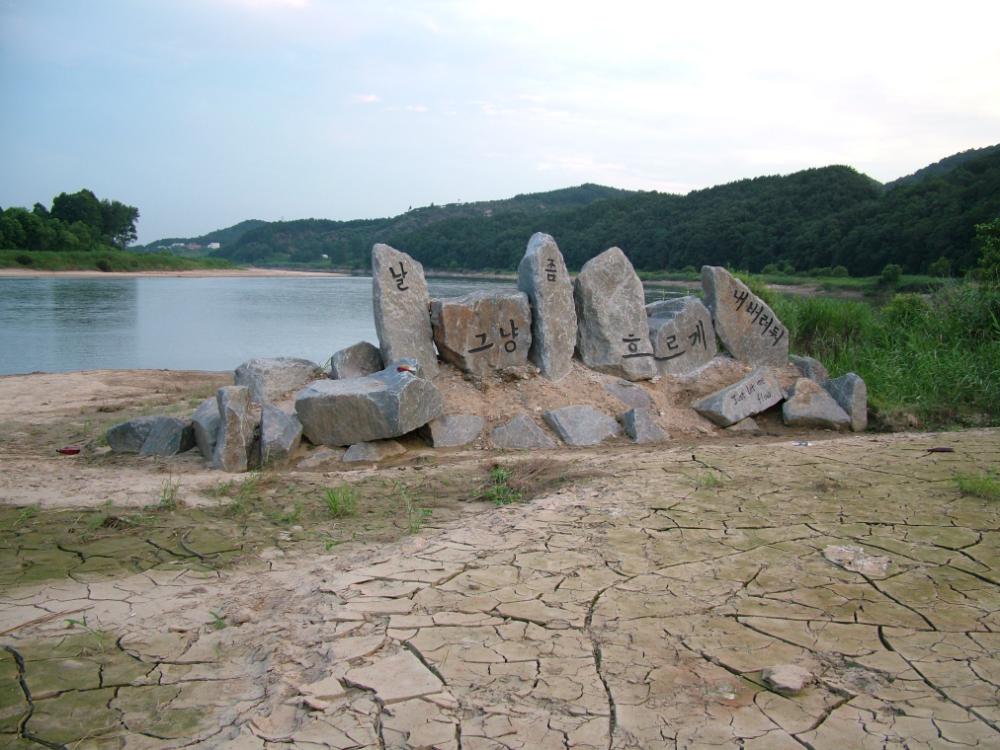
(890, 275)
(24, 259)
(103, 264)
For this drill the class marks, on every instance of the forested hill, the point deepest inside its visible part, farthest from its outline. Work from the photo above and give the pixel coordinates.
(822, 217)
(939, 168)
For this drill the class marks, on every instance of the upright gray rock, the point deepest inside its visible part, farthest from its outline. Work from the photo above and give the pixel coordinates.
(582, 425)
(452, 430)
(168, 437)
(612, 330)
(356, 361)
(682, 335)
(521, 433)
(542, 275)
(851, 394)
(641, 426)
(809, 405)
(755, 393)
(401, 301)
(272, 378)
(748, 328)
(280, 435)
(482, 332)
(236, 448)
(810, 368)
(205, 421)
(384, 405)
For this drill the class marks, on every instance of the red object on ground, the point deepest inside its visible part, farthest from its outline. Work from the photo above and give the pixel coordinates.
(404, 368)
(69, 450)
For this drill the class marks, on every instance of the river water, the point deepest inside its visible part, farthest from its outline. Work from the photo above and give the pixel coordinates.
(57, 324)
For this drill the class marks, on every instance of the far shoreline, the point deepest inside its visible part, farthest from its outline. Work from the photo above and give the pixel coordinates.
(198, 273)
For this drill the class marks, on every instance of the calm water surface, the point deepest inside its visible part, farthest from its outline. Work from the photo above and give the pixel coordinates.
(60, 324)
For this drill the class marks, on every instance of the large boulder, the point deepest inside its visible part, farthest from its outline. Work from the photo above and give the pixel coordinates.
(641, 427)
(682, 335)
(748, 328)
(356, 361)
(612, 330)
(168, 437)
(237, 448)
(387, 404)
(542, 275)
(582, 425)
(482, 332)
(272, 378)
(809, 405)
(521, 433)
(151, 436)
(205, 421)
(280, 435)
(755, 393)
(401, 301)
(452, 430)
(851, 394)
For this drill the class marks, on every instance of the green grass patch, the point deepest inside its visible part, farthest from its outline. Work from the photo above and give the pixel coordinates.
(985, 485)
(106, 260)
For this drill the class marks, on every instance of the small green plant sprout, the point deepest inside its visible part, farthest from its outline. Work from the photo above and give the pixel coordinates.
(218, 621)
(74, 623)
(498, 489)
(985, 485)
(415, 516)
(708, 479)
(341, 501)
(168, 495)
(24, 515)
(288, 515)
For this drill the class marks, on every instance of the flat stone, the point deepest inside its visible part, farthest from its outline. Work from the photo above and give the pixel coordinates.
(853, 558)
(270, 379)
(280, 435)
(521, 433)
(168, 437)
(748, 426)
(629, 394)
(482, 332)
(205, 422)
(787, 678)
(396, 678)
(748, 328)
(384, 405)
(542, 275)
(452, 430)
(810, 368)
(612, 329)
(327, 689)
(582, 425)
(128, 437)
(809, 405)
(322, 457)
(682, 335)
(851, 394)
(356, 361)
(401, 306)
(373, 452)
(641, 426)
(755, 393)
(236, 448)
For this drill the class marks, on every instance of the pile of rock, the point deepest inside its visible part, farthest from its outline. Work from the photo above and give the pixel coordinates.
(372, 395)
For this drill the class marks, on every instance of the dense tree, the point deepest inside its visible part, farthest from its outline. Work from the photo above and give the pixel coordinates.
(77, 221)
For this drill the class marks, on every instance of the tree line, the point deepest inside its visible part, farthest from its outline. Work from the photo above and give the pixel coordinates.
(74, 221)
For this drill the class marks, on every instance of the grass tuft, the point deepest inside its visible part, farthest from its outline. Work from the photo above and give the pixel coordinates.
(341, 501)
(985, 485)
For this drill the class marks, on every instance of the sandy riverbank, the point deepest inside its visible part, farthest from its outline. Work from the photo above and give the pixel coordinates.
(196, 274)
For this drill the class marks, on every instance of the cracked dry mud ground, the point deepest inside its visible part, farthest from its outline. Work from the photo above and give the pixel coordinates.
(632, 609)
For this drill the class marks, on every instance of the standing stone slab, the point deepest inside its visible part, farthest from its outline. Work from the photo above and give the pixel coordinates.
(270, 379)
(542, 275)
(239, 430)
(400, 300)
(168, 437)
(682, 335)
(356, 361)
(748, 328)
(612, 330)
(640, 425)
(582, 425)
(482, 332)
(280, 435)
(205, 421)
(809, 405)
(521, 433)
(452, 430)
(384, 405)
(753, 394)
(851, 393)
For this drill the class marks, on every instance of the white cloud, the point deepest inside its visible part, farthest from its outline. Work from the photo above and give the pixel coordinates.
(367, 98)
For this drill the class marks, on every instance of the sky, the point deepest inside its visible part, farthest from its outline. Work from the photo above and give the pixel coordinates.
(203, 113)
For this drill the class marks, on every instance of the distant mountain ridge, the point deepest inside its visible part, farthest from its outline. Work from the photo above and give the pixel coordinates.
(943, 166)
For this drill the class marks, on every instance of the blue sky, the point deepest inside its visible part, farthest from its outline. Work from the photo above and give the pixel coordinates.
(206, 112)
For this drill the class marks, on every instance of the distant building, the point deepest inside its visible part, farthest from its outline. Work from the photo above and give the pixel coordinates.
(214, 245)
